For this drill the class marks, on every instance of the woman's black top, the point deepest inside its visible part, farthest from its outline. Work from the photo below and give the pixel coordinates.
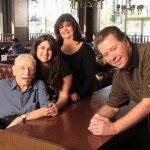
(83, 66)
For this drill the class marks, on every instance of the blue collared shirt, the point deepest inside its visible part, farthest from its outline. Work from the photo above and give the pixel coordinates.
(15, 102)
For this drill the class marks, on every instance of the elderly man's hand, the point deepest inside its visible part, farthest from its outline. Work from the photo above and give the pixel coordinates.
(43, 112)
(16, 121)
(101, 126)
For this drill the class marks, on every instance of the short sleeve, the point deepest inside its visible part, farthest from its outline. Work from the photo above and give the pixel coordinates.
(118, 97)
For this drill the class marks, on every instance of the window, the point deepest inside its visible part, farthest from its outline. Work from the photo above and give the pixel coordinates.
(43, 14)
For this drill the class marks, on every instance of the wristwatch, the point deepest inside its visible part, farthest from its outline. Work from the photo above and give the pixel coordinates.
(23, 117)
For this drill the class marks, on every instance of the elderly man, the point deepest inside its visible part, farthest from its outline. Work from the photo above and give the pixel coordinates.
(131, 82)
(22, 98)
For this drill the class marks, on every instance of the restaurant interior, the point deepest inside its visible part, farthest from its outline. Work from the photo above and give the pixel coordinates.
(29, 19)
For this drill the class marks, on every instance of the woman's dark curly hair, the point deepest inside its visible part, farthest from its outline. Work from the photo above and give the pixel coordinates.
(52, 76)
(69, 18)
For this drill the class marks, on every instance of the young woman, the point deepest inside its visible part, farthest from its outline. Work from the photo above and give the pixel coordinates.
(52, 70)
(77, 54)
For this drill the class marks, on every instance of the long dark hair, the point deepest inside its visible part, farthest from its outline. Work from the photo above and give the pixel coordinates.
(52, 77)
(67, 17)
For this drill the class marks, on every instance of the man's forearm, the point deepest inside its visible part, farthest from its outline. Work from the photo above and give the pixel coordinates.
(107, 111)
(134, 116)
(41, 112)
(62, 99)
(30, 116)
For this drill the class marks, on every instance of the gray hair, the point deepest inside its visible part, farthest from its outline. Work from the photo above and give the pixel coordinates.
(21, 56)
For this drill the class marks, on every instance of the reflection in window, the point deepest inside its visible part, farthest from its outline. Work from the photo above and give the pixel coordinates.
(140, 9)
(133, 28)
(146, 30)
(43, 14)
(109, 15)
(133, 8)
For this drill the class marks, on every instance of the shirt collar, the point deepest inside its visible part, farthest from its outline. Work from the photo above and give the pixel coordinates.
(14, 85)
(134, 60)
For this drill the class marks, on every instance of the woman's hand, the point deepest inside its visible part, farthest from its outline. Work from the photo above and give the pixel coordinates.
(52, 109)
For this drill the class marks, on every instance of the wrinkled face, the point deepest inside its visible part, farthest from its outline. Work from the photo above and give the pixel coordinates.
(115, 52)
(44, 52)
(24, 72)
(66, 30)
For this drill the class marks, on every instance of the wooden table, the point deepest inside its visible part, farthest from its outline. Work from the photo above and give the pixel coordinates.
(68, 130)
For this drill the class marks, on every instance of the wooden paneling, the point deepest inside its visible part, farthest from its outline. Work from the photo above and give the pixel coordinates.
(12, 141)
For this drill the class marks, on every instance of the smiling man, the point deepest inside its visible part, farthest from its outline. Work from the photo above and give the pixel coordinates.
(22, 98)
(131, 82)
